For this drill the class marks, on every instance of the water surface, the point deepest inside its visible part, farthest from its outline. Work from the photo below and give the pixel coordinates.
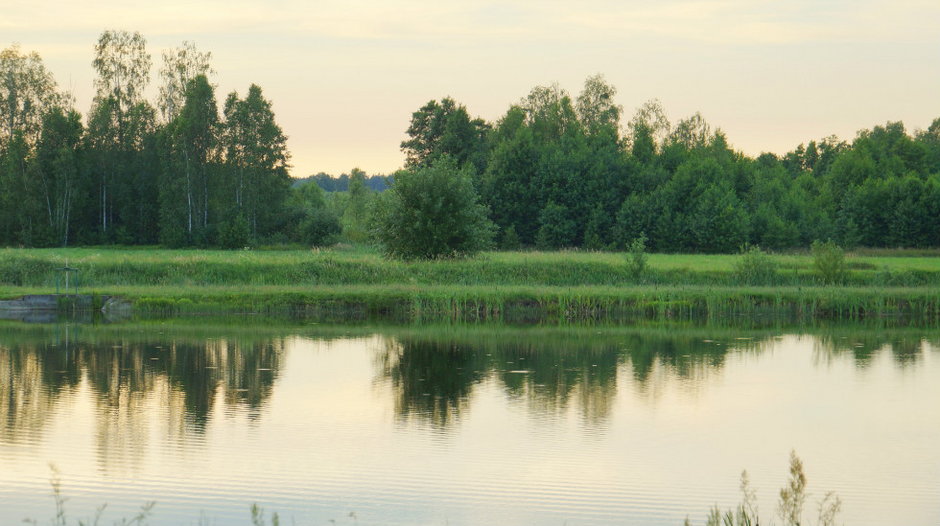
(463, 425)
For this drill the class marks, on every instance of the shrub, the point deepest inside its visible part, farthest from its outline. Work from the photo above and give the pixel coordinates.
(637, 259)
(510, 239)
(234, 233)
(755, 267)
(432, 212)
(320, 228)
(556, 228)
(829, 262)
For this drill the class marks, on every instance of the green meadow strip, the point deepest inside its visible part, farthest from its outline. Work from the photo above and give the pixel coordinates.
(359, 283)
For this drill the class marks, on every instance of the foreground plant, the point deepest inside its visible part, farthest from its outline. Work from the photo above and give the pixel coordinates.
(61, 519)
(789, 508)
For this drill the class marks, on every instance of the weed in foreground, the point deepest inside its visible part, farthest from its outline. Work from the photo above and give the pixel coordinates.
(789, 508)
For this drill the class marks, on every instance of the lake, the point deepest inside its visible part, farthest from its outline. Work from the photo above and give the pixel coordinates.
(463, 425)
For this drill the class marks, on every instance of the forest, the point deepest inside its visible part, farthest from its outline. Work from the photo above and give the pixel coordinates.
(555, 171)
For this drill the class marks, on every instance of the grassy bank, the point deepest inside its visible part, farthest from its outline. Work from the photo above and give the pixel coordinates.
(497, 285)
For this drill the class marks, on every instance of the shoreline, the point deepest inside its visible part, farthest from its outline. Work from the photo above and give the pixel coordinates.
(357, 283)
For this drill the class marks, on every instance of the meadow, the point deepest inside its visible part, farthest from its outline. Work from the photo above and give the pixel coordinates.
(360, 282)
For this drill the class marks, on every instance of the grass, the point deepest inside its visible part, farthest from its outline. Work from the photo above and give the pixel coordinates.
(359, 282)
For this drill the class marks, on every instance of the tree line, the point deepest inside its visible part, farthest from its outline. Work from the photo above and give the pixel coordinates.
(555, 171)
(558, 171)
(176, 172)
(332, 183)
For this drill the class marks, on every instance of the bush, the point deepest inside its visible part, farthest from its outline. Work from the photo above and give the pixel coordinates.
(829, 262)
(320, 228)
(755, 267)
(234, 233)
(556, 228)
(637, 258)
(432, 212)
(510, 239)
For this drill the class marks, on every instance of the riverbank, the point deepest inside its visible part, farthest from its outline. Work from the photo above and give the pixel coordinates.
(358, 283)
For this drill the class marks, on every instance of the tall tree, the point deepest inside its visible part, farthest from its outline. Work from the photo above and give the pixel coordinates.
(119, 122)
(355, 216)
(123, 67)
(648, 129)
(596, 108)
(256, 159)
(180, 66)
(59, 171)
(192, 145)
(17, 203)
(445, 128)
(27, 91)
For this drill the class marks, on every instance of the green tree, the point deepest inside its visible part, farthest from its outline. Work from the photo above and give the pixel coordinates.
(60, 172)
(432, 212)
(509, 184)
(19, 206)
(445, 128)
(256, 161)
(355, 217)
(719, 220)
(596, 108)
(123, 67)
(121, 121)
(180, 66)
(27, 92)
(648, 130)
(557, 229)
(191, 146)
(309, 218)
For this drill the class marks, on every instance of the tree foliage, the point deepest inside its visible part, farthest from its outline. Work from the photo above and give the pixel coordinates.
(27, 92)
(432, 212)
(556, 170)
(180, 66)
(445, 128)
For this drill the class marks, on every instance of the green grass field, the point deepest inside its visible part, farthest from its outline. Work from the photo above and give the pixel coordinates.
(559, 284)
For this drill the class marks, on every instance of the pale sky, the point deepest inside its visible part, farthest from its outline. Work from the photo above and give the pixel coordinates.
(345, 76)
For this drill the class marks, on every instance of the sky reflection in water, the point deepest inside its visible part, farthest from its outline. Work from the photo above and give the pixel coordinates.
(463, 425)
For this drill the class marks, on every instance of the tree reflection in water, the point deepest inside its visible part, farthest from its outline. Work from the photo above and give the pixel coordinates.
(183, 376)
(432, 371)
(433, 375)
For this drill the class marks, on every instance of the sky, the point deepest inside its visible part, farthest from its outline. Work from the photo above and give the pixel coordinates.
(345, 76)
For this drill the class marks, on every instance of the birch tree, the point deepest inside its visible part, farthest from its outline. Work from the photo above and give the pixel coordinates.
(192, 140)
(58, 171)
(256, 159)
(596, 107)
(180, 66)
(27, 91)
(123, 67)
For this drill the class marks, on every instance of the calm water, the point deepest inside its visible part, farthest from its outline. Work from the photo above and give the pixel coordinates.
(455, 426)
